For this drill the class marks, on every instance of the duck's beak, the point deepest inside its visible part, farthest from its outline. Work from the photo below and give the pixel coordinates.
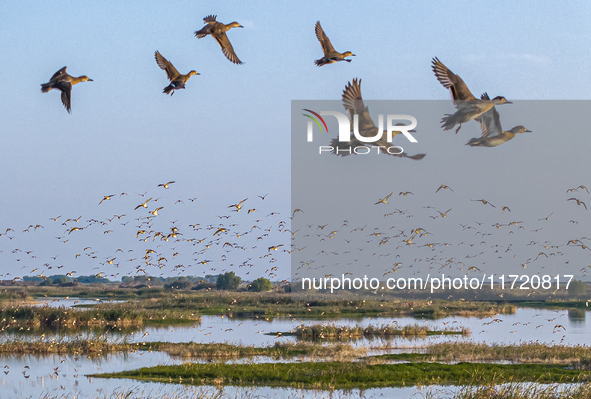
(90, 80)
(508, 102)
(527, 131)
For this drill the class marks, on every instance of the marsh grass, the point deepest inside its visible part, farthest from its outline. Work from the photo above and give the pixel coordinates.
(108, 314)
(333, 331)
(277, 351)
(524, 352)
(270, 304)
(581, 304)
(578, 356)
(222, 351)
(14, 297)
(526, 391)
(349, 375)
(68, 346)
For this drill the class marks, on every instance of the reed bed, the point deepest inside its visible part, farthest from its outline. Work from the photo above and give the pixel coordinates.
(333, 331)
(578, 357)
(68, 346)
(525, 391)
(103, 345)
(271, 304)
(108, 314)
(277, 351)
(524, 352)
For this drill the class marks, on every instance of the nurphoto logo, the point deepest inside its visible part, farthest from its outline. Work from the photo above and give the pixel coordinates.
(370, 135)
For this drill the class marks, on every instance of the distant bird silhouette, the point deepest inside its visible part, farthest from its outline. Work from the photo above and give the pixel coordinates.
(485, 202)
(578, 201)
(165, 185)
(384, 200)
(443, 186)
(106, 198)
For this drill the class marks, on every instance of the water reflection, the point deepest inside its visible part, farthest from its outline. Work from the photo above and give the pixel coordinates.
(576, 316)
(70, 381)
(524, 325)
(71, 302)
(64, 375)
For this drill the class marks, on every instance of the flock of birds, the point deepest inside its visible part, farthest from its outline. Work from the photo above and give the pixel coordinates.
(468, 107)
(136, 237)
(63, 82)
(415, 237)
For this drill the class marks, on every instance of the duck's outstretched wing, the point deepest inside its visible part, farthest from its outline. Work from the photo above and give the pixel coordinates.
(458, 89)
(353, 103)
(66, 89)
(58, 74)
(167, 66)
(327, 47)
(490, 122)
(227, 48)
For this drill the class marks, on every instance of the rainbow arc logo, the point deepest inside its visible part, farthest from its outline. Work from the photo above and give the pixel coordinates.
(315, 120)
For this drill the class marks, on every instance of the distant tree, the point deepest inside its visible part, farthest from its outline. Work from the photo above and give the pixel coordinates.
(92, 279)
(33, 278)
(174, 279)
(60, 280)
(228, 281)
(261, 284)
(204, 286)
(46, 282)
(141, 279)
(577, 287)
(178, 285)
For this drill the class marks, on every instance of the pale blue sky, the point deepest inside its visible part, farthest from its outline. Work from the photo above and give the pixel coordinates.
(227, 136)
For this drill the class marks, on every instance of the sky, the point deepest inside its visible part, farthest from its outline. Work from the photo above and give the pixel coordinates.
(227, 136)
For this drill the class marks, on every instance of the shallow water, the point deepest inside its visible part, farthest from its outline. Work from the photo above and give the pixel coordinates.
(68, 380)
(524, 325)
(547, 326)
(72, 301)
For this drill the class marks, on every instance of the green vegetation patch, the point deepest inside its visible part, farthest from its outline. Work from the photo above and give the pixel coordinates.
(343, 375)
(556, 304)
(523, 353)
